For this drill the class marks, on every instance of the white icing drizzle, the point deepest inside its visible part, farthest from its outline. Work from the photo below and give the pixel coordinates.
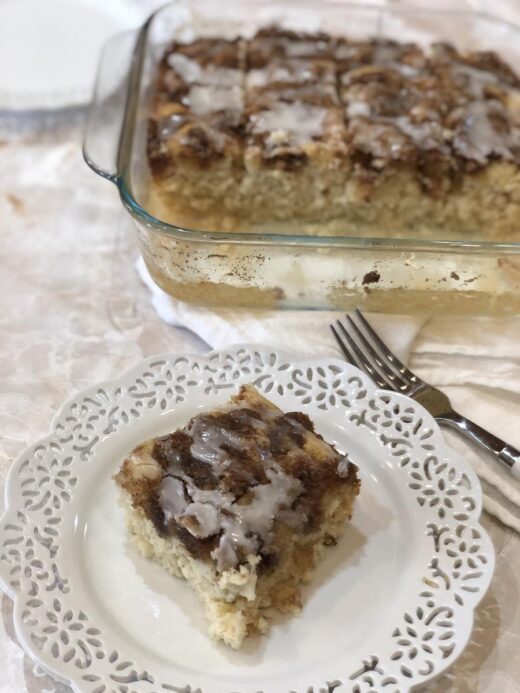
(358, 109)
(302, 49)
(475, 138)
(425, 135)
(211, 496)
(244, 524)
(346, 51)
(205, 99)
(388, 56)
(295, 72)
(188, 70)
(478, 139)
(475, 80)
(343, 466)
(172, 498)
(293, 123)
(207, 518)
(406, 70)
(193, 73)
(299, 122)
(208, 441)
(259, 77)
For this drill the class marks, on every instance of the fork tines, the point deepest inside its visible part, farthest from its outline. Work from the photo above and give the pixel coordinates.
(362, 347)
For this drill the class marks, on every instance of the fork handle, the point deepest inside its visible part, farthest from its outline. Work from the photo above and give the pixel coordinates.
(506, 454)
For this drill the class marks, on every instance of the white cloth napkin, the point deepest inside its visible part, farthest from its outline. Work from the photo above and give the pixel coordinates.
(476, 362)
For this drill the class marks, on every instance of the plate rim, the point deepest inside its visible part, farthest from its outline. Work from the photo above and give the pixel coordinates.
(293, 358)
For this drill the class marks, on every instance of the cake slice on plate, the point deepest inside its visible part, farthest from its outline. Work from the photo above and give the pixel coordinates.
(241, 502)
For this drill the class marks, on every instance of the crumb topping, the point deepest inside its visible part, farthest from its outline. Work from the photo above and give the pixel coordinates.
(378, 102)
(229, 476)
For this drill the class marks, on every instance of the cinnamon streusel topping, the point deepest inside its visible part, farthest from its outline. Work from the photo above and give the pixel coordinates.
(281, 98)
(229, 475)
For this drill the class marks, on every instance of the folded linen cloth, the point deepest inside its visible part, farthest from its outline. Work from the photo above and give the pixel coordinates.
(475, 360)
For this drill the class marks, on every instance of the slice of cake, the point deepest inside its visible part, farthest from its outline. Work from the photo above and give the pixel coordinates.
(195, 145)
(241, 502)
(295, 154)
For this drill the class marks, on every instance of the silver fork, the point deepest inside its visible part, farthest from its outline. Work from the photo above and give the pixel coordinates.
(363, 348)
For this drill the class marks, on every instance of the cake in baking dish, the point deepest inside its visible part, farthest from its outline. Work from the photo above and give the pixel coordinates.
(242, 503)
(374, 136)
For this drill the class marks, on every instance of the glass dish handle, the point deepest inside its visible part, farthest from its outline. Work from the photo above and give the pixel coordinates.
(107, 110)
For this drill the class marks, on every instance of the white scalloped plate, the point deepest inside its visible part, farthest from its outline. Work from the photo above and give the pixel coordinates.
(390, 608)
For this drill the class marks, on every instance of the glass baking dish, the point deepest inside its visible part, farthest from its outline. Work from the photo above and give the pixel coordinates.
(279, 268)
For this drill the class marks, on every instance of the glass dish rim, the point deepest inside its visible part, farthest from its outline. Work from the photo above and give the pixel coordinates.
(122, 179)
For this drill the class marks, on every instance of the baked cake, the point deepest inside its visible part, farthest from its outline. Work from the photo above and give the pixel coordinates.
(241, 502)
(371, 136)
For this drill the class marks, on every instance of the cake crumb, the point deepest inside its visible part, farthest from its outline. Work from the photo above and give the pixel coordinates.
(371, 277)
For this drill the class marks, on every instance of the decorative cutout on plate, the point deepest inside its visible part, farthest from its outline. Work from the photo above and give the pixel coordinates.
(45, 480)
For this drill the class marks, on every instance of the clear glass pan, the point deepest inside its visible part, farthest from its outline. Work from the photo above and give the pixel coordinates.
(284, 270)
